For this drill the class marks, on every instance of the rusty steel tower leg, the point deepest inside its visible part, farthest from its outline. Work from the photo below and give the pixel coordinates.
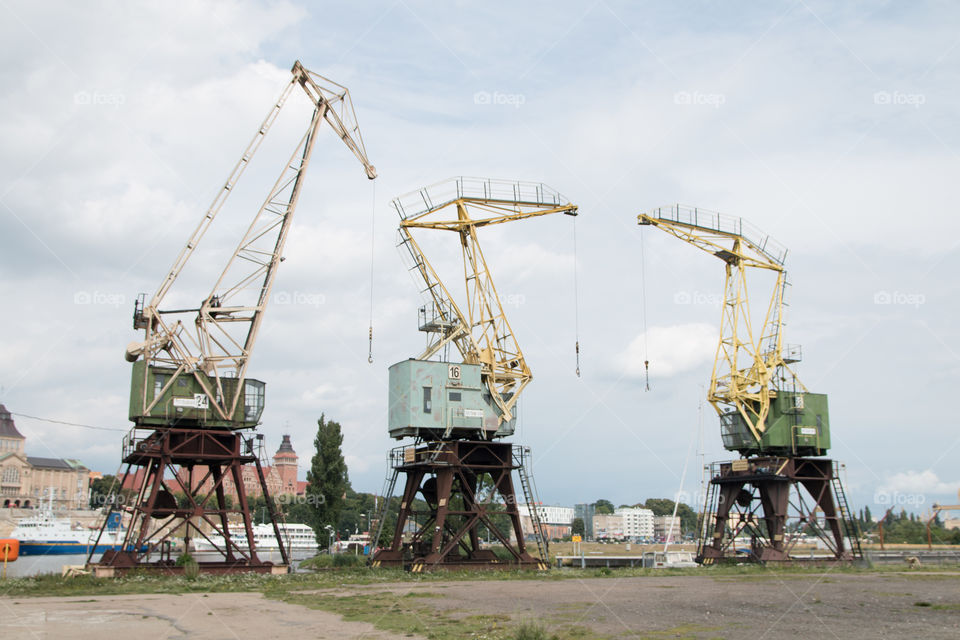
(818, 478)
(774, 501)
(776, 493)
(217, 475)
(393, 555)
(505, 487)
(235, 469)
(447, 477)
(469, 482)
(155, 516)
(714, 548)
(441, 511)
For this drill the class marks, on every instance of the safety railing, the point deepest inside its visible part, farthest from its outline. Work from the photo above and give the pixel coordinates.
(440, 194)
(723, 223)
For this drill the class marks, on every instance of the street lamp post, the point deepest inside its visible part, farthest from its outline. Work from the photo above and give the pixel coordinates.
(329, 537)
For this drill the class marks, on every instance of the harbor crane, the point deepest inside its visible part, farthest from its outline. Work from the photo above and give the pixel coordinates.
(767, 415)
(457, 411)
(193, 405)
(752, 386)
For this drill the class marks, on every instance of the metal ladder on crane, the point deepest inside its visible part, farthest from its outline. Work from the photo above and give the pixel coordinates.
(707, 517)
(532, 500)
(389, 484)
(849, 526)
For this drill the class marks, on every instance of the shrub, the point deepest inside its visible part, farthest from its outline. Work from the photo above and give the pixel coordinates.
(530, 630)
(190, 567)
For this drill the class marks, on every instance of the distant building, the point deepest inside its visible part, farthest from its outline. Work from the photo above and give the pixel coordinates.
(608, 526)
(585, 512)
(662, 526)
(28, 481)
(556, 521)
(637, 522)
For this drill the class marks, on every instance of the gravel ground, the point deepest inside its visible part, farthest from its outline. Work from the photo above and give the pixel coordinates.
(879, 605)
(765, 606)
(196, 616)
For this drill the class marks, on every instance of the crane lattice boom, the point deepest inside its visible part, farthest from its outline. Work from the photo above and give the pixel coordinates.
(750, 365)
(479, 328)
(214, 341)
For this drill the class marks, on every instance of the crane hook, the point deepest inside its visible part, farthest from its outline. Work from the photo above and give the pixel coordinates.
(578, 358)
(646, 366)
(370, 346)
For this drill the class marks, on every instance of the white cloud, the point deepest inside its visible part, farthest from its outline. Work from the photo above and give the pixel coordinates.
(111, 186)
(362, 464)
(670, 350)
(918, 482)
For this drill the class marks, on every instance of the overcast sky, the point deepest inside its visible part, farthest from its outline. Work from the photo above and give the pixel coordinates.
(832, 128)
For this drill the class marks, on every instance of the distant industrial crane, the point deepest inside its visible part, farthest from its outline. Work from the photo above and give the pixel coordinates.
(457, 410)
(937, 509)
(190, 395)
(766, 414)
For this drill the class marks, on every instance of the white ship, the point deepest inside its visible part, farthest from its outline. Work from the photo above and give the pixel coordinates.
(296, 537)
(45, 534)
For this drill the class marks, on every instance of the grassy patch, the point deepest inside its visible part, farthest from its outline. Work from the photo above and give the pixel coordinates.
(685, 631)
(406, 614)
(530, 630)
(336, 561)
(947, 606)
(402, 614)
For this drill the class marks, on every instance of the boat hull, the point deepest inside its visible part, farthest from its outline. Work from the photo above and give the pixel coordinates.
(37, 548)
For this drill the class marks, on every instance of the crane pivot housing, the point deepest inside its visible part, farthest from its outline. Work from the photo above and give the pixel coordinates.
(473, 321)
(442, 400)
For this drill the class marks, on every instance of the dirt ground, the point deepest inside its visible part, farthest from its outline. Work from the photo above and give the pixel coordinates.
(843, 605)
(196, 616)
(880, 605)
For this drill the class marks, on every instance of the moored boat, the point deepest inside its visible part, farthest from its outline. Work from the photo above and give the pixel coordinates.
(46, 534)
(295, 536)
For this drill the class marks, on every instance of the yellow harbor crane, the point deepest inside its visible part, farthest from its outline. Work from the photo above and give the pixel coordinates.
(457, 410)
(763, 406)
(766, 413)
(479, 328)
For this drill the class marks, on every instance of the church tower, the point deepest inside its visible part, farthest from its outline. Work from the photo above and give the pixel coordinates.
(285, 461)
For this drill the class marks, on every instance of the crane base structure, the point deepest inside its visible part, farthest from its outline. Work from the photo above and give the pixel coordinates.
(458, 480)
(775, 502)
(191, 464)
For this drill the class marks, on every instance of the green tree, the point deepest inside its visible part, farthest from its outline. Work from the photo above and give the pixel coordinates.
(688, 518)
(664, 507)
(578, 528)
(602, 507)
(327, 480)
(101, 489)
(660, 506)
(106, 490)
